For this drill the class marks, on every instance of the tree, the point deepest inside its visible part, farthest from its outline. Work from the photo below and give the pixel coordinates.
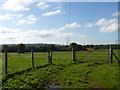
(5, 47)
(79, 47)
(32, 48)
(21, 48)
(73, 45)
(50, 47)
(43, 48)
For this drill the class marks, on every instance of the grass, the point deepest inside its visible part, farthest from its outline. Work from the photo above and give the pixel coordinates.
(74, 76)
(32, 79)
(107, 75)
(90, 71)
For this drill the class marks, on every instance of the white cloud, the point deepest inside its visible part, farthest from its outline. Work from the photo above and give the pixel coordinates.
(20, 15)
(88, 25)
(8, 35)
(28, 20)
(51, 13)
(73, 25)
(65, 34)
(5, 17)
(42, 5)
(31, 19)
(116, 14)
(16, 5)
(111, 28)
(8, 30)
(101, 22)
(10, 16)
(22, 21)
(107, 26)
(57, 7)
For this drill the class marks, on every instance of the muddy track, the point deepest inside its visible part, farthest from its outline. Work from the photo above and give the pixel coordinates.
(53, 82)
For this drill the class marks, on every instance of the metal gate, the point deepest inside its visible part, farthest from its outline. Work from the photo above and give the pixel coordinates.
(101, 56)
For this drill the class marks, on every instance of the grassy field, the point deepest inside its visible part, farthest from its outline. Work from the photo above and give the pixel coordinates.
(91, 70)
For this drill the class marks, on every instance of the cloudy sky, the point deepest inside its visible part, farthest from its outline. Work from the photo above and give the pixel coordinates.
(30, 21)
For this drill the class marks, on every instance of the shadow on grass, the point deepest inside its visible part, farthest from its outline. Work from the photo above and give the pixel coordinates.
(5, 77)
(11, 75)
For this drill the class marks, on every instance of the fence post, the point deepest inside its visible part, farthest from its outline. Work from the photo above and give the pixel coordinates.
(110, 54)
(73, 55)
(51, 54)
(6, 61)
(32, 58)
(49, 57)
(18, 52)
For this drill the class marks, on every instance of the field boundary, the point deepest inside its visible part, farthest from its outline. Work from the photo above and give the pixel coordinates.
(74, 58)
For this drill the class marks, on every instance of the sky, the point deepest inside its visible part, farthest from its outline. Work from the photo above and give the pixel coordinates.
(30, 21)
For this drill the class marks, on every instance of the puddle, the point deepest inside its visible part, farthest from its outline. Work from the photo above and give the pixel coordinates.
(54, 86)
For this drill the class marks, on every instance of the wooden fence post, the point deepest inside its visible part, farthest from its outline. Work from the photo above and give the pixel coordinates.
(32, 55)
(73, 55)
(51, 54)
(6, 61)
(18, 52)
(110, 54)
(49, 57)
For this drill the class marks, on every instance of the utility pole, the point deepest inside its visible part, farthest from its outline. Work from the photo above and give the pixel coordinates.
(67, 41)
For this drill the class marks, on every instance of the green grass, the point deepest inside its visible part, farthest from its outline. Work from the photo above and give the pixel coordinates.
(32, 79)
(107, 75)
(91, 70)
(22, 62)
(74, 76)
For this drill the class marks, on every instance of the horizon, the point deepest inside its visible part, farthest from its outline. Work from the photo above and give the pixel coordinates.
(55, 44)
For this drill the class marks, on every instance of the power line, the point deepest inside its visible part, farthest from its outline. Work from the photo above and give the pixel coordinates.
(90, 12)
(95, 12)
(69, 17)
(67, 42)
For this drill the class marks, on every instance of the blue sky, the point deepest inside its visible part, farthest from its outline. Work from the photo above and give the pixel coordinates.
(52, 22)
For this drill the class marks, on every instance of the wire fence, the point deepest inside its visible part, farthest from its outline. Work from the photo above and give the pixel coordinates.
(95, 55)
(18, 62)
(13, 62)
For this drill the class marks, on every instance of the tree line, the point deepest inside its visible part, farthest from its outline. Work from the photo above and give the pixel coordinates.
(21, 48)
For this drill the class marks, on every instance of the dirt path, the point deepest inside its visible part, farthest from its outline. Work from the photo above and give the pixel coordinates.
(53, 81)
(94, 83)
(56, 82)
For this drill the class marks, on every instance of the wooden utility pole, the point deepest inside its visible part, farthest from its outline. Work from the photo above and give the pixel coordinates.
(6, 61)
(32, 55)
(110, 54)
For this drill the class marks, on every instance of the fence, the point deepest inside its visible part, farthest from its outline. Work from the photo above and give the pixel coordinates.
(103, 56)
(111, 54)
(14, 62)
(93, 56)
(32, 59)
